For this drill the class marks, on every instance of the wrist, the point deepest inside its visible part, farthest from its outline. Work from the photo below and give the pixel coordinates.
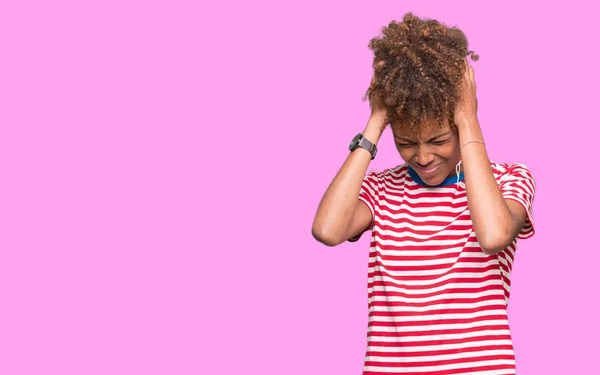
(469, 121)
(469, 129)
(374, 129)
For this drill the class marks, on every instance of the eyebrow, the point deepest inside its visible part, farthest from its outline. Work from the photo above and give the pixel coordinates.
(429, 140)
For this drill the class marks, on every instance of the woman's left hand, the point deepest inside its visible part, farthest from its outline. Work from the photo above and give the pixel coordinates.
(466, 110)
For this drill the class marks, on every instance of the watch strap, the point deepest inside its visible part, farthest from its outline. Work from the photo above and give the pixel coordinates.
(367, 145)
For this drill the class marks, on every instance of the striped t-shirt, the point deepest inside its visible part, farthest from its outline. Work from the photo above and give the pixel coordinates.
(437, 303)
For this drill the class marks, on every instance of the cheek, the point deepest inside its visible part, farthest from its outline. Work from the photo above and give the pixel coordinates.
(452, 151)
(405, 154)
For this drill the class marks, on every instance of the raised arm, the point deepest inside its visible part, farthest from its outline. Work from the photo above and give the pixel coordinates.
(341, 215)
(496, 220)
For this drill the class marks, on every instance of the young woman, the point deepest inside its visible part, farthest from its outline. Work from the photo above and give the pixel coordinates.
(444, 223)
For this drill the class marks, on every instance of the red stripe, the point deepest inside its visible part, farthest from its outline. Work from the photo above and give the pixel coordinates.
(462, 310)
(434, 332)
(473, 349)
(418, 323)
(437, 302)
(389, 293)
(374, 343)
(384, 212)
(442, 195)
(456, 280)
(430, 267)
(401, 255)
(456, 270)
(447, 372)
(443, 362)
(458, 238)
(415, 247)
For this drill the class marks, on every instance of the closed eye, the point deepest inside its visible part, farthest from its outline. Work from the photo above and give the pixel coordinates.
(440, 142)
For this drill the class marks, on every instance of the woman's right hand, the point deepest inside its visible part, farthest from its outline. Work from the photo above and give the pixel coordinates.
(341, 214)
(378, 110)
(378, 119)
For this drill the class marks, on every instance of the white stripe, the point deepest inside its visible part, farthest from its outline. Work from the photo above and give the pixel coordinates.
(435, 272)
(380, 288)
(431, 253)
(428, 328)
(416, 198)
(450, 261)
(423, 283)
(448, 336)
(426, 348)
(429, 318)
(488, 372)
(441, 357)
(432, 213)
(427, 369)
(485, 293)
(471, 305)
(412, 240)
(421, 223)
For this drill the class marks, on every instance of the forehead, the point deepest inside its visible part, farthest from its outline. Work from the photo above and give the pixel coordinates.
(425, 131)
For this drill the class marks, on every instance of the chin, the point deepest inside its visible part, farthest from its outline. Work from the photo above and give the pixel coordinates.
(434, 180)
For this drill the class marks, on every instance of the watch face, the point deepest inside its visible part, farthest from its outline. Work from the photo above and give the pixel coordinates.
(355, 141)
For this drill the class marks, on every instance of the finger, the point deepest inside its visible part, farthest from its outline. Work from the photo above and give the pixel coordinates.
(467, 73)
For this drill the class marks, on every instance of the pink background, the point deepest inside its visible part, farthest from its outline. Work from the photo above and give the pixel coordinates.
(161, 163)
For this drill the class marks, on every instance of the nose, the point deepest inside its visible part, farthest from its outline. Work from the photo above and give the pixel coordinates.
(423, 156)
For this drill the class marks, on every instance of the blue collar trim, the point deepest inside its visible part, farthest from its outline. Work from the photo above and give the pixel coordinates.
(448, 181)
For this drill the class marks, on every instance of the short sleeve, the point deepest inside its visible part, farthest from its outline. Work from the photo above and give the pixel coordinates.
(519, 185)
(368, 194)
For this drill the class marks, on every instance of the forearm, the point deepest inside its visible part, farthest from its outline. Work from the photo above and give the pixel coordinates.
(489, 212)
(341, 197)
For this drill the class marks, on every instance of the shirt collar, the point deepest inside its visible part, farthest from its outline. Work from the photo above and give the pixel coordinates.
(448, 181)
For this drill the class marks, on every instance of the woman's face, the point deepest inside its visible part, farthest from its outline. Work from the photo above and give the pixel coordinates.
(432, 152)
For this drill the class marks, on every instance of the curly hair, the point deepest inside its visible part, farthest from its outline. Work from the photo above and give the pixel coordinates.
(418, 69)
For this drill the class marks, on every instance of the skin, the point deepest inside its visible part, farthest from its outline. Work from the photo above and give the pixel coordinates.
(496, 221)
(433, 153)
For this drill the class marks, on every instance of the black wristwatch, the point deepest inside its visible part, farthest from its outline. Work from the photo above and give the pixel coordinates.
(361, 141)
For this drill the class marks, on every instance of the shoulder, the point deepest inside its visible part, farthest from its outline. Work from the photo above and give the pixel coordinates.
(394, 173)
(386, 181)
(506, 171)
(511, 176)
